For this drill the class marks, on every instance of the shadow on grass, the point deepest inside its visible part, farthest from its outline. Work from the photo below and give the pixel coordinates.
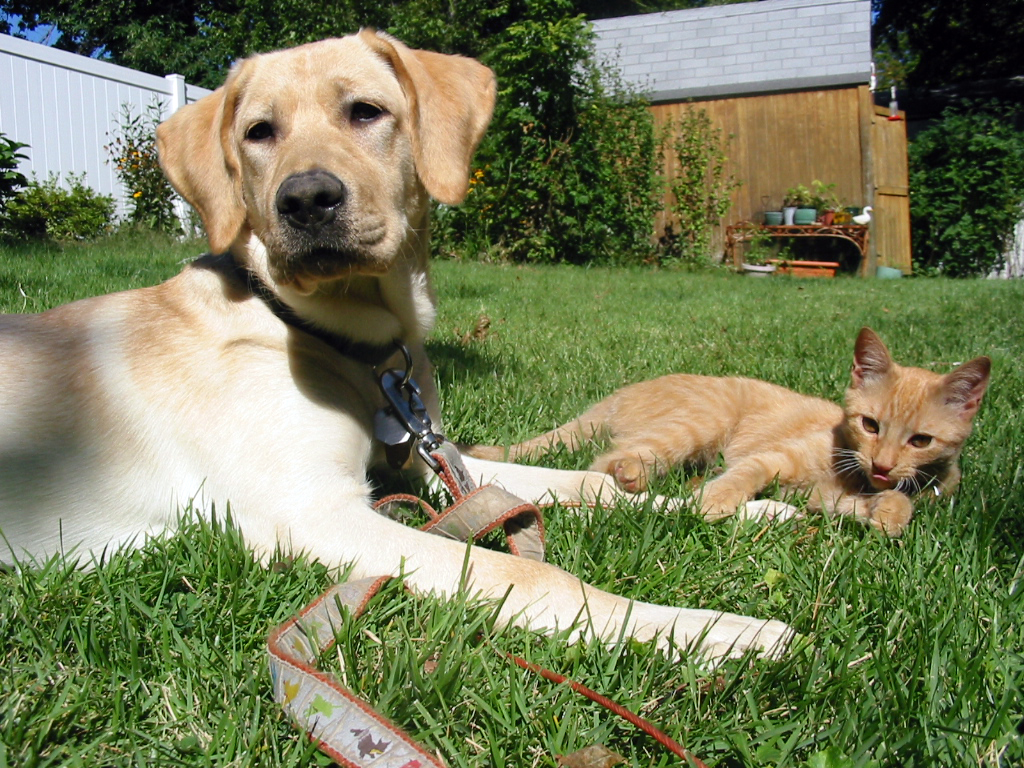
(466, 362)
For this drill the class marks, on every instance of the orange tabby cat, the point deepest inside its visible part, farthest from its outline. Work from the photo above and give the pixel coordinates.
(900, 433)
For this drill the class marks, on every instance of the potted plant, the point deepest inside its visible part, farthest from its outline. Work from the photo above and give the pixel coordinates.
(789, 205)
(826, 201)
(801, 199)
(772, 216)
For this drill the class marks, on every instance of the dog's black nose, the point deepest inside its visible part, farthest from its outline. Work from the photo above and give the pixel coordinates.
(311, 199)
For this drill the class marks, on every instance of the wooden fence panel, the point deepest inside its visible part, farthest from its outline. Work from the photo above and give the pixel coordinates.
(776, 141)
(891, 215)
(779, 140)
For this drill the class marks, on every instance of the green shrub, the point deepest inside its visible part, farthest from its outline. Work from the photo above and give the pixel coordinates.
(699, 191)
(133, 153)
(10, 179)
(567, 170)
(49, 211)
(966, 190)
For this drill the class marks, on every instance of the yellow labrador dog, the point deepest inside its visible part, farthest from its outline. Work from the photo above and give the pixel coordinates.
(248, 378)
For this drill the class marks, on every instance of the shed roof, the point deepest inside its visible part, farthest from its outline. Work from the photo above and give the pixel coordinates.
(744, 48)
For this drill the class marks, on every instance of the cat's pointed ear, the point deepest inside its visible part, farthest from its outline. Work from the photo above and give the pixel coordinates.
(871, 358)
(965, 386)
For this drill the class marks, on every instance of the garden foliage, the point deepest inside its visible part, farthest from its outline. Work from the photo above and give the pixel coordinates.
(133, 153)
(567, 170)
(49, 211)
(11, 180)
(966, 190)
(698, 185)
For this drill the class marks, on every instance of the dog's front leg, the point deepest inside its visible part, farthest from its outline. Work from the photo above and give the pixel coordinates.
(541, 597)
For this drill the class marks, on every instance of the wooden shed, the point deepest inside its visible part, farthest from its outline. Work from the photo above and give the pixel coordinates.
(788, 81)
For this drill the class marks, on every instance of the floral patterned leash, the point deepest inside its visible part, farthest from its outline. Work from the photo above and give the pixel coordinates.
(344, 726)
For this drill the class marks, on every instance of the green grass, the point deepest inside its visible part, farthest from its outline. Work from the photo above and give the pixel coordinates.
(915, 654)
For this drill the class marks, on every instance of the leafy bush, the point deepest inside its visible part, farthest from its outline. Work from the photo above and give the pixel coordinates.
(10, 179)
(133, 152)
(567, 170)
(699, 190)
(966, 190)
(49, 211)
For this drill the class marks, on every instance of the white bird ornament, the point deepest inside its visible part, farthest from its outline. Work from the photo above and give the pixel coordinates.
(863, 218)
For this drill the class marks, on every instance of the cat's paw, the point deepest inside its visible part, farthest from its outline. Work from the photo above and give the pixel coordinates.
(718, 502)
(630, 474)
(890, 512)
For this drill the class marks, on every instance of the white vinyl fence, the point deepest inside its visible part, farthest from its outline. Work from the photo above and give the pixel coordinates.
(67, 108)
(1014, 266)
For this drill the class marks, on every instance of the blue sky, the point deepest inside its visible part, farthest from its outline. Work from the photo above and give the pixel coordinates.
(37, 35)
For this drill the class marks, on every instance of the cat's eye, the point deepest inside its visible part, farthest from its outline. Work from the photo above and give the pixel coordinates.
(870, 425)
(920, 441)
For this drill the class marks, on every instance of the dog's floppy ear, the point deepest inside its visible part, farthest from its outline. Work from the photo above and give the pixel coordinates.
(198, 157)
(451, 99)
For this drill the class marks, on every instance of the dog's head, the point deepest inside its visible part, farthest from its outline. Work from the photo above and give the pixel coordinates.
(326, 153)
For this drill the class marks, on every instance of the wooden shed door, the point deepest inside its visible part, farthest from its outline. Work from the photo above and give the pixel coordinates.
(891, 207)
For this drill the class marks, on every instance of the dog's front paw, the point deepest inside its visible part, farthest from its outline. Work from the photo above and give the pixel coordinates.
(767, 509)
(890, 512)
(732, 635)
(712, 635)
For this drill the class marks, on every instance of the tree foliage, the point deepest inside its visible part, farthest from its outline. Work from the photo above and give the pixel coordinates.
(567, 171)
(200, 38)
(932, 43)
(967, 190)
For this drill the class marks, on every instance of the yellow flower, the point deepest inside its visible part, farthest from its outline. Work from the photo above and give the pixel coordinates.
(137, 194)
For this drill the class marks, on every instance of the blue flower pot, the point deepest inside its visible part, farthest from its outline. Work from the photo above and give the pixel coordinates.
(804, 216)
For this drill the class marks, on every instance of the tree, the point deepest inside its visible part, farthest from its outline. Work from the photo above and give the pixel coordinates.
(149, 36)
(967, 190)
(200, 38)
(567, 170)
(932, 43)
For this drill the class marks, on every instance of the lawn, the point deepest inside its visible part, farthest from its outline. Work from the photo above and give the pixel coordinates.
(912, 652)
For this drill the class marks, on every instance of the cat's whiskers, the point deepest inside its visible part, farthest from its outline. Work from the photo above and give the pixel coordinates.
(846, 461)
(914, 482)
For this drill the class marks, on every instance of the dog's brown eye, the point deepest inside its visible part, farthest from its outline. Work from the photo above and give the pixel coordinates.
(365, 113)
(260, 132)
(870, 425)
(920, 441)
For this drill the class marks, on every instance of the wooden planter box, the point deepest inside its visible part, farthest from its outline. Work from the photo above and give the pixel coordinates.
(798, 268)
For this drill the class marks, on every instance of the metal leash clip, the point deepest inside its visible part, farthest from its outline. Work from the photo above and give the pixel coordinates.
(404, 421)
